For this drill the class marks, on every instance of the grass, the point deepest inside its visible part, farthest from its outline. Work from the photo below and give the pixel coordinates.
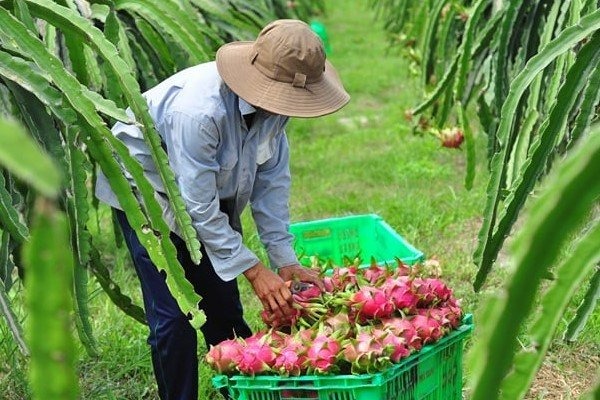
(363, 159)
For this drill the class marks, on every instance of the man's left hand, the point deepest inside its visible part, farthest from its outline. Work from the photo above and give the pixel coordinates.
(299, 273)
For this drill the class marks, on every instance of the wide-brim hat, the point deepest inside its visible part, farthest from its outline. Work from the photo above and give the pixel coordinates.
(284, 71)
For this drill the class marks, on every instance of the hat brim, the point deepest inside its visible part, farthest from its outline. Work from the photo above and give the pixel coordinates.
(315, 99)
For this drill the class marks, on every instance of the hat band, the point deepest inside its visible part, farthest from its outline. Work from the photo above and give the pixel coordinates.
(299, 79)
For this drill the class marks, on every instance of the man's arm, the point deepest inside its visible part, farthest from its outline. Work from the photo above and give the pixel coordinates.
(192, 145)
(270, 210)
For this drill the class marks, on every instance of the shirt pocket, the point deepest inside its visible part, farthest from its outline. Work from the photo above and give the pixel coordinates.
(264, 151)
(227, 161)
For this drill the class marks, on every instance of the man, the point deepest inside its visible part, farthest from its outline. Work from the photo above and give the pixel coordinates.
(222, 124)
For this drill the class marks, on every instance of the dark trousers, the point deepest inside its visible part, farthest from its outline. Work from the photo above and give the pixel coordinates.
(172, 339)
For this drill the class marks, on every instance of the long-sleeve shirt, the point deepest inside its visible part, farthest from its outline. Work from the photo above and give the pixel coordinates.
(217, 160)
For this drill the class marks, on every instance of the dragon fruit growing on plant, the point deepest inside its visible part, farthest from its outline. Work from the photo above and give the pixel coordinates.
(365, 320)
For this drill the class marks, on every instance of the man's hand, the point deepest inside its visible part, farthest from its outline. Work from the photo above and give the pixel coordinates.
(275, 296)
(299, 273)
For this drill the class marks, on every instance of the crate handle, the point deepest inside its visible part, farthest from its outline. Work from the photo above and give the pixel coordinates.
(294, 394)
(316, 233)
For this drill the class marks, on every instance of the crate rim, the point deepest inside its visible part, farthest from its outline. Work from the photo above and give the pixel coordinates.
(418, 255)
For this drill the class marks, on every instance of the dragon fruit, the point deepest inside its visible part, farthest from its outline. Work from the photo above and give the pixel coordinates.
(371, 302)
(257, 356)
(395, 347)
(225, 356)
(403, 328)
(364, 321)
(431, 291)
(369, 351)
(428, 329)
(400, 292)
(322, 353)
(448, 316)
(329, 284)
(375, 273)
(338, 325)
(291, 357)
(344, 278)
(451, 137)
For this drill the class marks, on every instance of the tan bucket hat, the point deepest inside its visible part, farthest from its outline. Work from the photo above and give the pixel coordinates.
(284, 71)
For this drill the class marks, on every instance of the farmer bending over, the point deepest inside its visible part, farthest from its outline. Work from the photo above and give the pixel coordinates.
(223, 127)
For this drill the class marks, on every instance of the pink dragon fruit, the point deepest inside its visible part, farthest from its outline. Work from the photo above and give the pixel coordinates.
(305, 295)
(257, 356)
(400, 292)
(322, 353)
(289, 320)
(371, 302)
(338, 325)
(431, 291)
(375, 273)
(395, 347)
(449, 316)
(291, 357)
(402, 269)
(403, 328)
(329, 284)
(366, 353)
(428, 329)
(343, 278)
(225, 356)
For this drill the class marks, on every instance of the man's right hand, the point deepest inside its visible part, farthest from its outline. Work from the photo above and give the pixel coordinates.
(272, 291)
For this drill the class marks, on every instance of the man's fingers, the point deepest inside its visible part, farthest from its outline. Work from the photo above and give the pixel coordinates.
(282, 303)
(314, 280)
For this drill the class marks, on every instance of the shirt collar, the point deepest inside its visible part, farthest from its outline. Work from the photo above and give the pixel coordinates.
(245, 107)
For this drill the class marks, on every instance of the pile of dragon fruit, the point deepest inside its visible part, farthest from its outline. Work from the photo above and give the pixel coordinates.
(366, 320)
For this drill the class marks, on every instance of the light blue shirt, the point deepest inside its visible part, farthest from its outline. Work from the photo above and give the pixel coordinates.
(216, 159)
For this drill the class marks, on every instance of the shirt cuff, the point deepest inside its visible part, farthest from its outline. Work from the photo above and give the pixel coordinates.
(282, 256)
(230, 268)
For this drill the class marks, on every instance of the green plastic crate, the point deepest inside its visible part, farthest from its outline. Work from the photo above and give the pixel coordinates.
(366, 235)
(434, 373)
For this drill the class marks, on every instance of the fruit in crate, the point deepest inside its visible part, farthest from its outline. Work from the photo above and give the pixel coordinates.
(366, 320)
